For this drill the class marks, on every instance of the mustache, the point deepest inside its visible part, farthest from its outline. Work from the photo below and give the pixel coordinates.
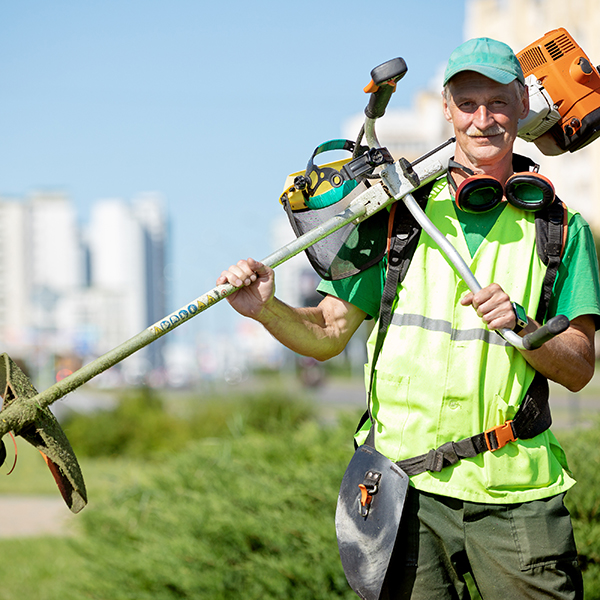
(474, 131)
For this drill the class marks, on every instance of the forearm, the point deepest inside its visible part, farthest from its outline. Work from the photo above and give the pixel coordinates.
(317, 331)
(569, 358)
(320, 332)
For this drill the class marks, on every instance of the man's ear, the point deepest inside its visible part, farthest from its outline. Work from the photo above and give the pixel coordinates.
(445, 108)
(525, 110)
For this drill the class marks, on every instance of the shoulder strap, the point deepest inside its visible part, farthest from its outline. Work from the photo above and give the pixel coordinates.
(551, 232)
(404, 235)
(402, 245)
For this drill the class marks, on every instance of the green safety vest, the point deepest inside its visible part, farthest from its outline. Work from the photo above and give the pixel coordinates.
(443, 376)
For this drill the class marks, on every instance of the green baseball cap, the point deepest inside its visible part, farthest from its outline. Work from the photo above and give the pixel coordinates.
(489, 57)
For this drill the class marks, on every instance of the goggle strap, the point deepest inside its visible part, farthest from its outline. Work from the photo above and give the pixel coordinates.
(452, 164)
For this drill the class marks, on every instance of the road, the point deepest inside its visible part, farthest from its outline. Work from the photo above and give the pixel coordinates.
(28, 516)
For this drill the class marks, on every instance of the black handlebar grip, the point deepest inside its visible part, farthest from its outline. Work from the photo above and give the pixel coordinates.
(390, 71)
(553, 327)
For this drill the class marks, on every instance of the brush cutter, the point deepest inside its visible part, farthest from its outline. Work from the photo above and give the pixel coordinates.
(27, 412)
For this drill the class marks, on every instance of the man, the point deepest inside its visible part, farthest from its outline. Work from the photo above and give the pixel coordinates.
(442, 376)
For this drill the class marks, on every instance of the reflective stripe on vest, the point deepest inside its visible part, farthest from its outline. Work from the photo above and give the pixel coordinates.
(489, 337)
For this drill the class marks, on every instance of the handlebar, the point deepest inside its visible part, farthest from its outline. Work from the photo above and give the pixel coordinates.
(552, 328)
(382, 85)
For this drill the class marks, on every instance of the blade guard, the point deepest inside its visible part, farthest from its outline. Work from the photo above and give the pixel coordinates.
(367, 520)
(45, 434)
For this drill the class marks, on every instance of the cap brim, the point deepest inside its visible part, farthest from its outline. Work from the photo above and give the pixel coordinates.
(498, 75)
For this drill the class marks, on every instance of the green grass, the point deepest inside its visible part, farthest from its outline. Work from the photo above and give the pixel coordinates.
(242, 508)
(37, 568)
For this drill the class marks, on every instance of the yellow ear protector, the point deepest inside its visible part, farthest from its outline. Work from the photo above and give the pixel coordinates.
(336, 182)
(527, 190)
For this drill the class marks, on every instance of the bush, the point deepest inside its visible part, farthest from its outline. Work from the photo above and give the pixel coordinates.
(247, 516)
(583, 501)
(143, 423)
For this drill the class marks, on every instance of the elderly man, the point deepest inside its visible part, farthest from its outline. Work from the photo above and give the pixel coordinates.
(442, 376)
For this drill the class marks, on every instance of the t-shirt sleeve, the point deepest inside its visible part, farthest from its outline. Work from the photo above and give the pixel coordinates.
(362, 290)
(576, 290)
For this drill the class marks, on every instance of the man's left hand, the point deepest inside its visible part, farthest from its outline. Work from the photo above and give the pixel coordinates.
(493, 305)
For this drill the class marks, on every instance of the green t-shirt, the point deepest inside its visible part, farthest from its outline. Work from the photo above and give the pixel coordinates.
(576, 290)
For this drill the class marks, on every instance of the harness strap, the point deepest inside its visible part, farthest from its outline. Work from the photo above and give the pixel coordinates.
(551, 229)
(402, 245)
(403, 236)
(533, 416)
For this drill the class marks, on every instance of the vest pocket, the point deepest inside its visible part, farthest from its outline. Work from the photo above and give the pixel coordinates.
(393, 415)
(521, 465)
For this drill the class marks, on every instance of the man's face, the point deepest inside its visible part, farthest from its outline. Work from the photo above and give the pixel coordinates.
(485, 116)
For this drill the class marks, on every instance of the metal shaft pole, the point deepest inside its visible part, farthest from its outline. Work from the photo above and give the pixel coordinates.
(371, 201)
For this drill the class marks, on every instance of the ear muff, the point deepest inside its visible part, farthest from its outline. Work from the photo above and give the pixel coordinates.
(479, 193)
(526, 190)
(529, 191)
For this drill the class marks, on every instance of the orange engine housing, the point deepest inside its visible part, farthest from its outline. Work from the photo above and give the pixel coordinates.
(572, 82)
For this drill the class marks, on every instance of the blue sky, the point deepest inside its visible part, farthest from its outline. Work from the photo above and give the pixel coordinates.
(211, 104)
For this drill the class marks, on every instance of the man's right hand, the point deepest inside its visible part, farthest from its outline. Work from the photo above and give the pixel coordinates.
(319, 331)
(257, 286)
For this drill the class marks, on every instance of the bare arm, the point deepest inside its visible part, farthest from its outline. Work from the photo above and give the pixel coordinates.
(321, 331)
(568, 359)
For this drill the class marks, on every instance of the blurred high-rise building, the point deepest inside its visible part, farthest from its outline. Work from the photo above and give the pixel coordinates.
(127, 249)
(68, 293)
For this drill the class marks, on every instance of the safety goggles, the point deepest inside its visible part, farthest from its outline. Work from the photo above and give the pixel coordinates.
(527, 190)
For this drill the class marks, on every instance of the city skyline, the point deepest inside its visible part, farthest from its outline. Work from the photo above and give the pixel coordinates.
(211, 105)
(81, 290)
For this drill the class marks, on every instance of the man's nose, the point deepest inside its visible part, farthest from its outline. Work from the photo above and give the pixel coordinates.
(483, 117)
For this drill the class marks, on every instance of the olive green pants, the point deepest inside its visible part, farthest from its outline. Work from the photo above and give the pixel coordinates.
(511, 551)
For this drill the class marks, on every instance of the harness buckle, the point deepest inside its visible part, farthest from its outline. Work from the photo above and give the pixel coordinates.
(368, 488)
(497, 437)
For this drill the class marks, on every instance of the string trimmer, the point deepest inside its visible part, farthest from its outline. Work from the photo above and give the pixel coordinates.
(26, 412)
